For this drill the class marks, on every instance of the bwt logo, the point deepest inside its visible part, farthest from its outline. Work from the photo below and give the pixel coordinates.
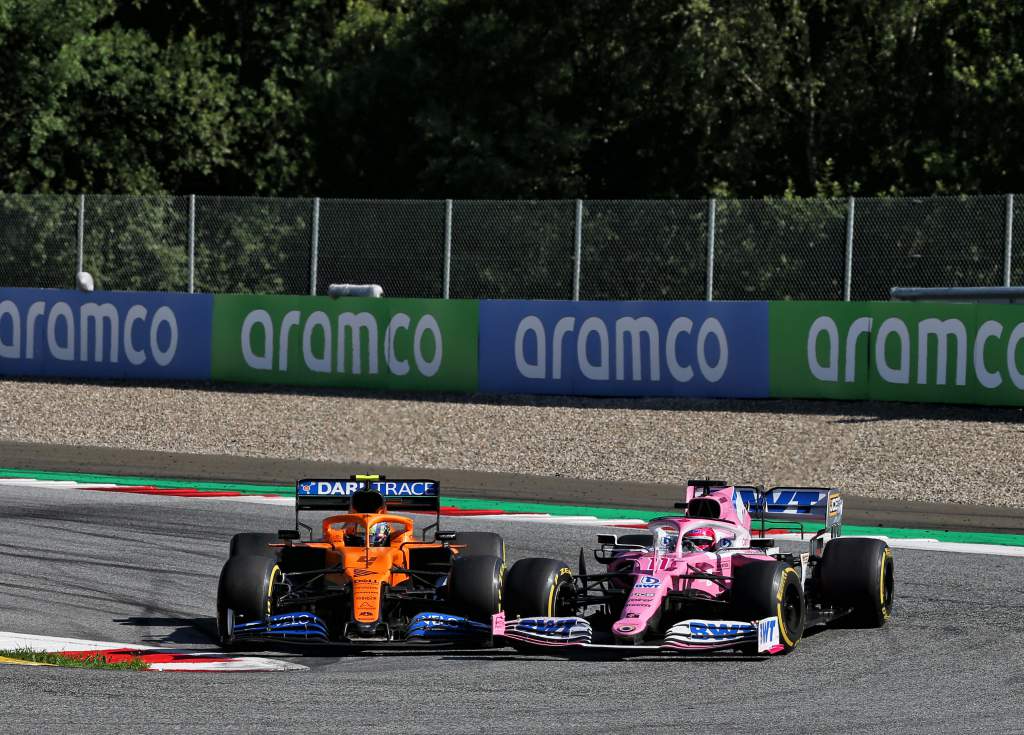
(647, 582)
(547, 626)
(783, 501)
(619, 347)
(717, 631)
(339, 339)
(137, 334)
(949, 336)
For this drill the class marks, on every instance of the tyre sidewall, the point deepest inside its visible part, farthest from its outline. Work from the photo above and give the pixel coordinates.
(854, 573)
(759, 590)
(246, 583)
(475, 586)
(532, 587)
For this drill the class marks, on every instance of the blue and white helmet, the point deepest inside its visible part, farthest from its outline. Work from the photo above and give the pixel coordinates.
(380, 534)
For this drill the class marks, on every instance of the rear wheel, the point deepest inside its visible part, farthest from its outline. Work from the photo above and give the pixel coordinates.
(475, 586)
(770, 589)
(539, 588)
(859, 573)
(253, 543)
(244, 592)
(479, 543)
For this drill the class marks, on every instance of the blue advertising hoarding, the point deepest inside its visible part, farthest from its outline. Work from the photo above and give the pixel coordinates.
(115, 334)
(625, 348)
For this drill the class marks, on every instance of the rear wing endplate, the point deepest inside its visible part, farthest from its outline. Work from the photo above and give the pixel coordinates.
(399, 495)
(821, 504)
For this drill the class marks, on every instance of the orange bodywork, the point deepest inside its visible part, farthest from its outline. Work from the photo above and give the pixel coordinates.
(367, 567)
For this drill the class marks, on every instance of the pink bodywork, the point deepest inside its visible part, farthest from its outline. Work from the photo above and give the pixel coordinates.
(658, 571)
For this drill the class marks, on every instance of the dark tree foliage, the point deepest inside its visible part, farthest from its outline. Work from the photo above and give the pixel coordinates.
(512, 98)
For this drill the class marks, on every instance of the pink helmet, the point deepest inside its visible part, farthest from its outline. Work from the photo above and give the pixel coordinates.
(704, 538)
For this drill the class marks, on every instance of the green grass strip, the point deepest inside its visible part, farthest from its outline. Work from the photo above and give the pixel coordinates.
(248, 489)
(967, 537)
(74, 662)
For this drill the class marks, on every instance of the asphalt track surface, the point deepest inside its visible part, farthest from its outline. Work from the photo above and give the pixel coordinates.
(111, 566)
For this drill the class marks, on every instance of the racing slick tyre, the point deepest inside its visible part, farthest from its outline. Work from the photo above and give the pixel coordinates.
(479, 543)
(254, 543)
(539, 588)
(474, 585)
(858, 573)
(244, 592)
(771, 589)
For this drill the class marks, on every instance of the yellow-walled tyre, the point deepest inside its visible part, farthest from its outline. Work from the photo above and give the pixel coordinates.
(859, 573)
(245, 592)
(538, 588)
(764, 589)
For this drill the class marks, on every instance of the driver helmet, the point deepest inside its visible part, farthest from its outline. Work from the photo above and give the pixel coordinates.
(704, 538)
(665, 540)
(380, 534)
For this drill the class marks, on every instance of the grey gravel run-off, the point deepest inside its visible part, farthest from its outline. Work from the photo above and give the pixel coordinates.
(144, 569)
(903, 452)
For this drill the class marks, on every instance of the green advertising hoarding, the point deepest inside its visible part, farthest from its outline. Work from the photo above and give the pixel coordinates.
(394, 344)
(927, 352)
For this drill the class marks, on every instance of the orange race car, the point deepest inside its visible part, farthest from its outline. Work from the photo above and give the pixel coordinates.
(367, 579)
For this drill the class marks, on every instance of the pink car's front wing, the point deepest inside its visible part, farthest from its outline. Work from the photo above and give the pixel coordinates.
(688, 635)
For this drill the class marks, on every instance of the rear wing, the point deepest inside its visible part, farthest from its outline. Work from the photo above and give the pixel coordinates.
(399, 495)
(795, 504)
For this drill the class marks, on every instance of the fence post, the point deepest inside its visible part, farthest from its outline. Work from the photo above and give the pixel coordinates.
(81, 234)
(191, 243)
(1008, 254)
(314, 246)
(848, 269)
(447, 248)
(578, 251)
(710, 284)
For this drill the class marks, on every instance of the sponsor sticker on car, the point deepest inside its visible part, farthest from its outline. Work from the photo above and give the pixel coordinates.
(767, 634)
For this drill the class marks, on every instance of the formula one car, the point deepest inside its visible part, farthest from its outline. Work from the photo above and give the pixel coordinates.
(699, 581)
(366, 579)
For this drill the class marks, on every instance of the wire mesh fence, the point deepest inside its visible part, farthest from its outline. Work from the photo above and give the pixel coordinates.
(643, 250)
(938, 241)
(722, 249)
(512, 249)
(780, 249)
(136, 243)
(363, 241)
(38, 241)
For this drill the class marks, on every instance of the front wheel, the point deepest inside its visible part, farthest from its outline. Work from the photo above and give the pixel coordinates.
(770, 589)
(245, 592)
(475, 586)
(539, 588)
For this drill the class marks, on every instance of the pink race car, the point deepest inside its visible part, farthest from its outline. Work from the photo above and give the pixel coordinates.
(699, 581)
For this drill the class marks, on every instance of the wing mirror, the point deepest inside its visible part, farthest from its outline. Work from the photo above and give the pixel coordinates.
(288, 534)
